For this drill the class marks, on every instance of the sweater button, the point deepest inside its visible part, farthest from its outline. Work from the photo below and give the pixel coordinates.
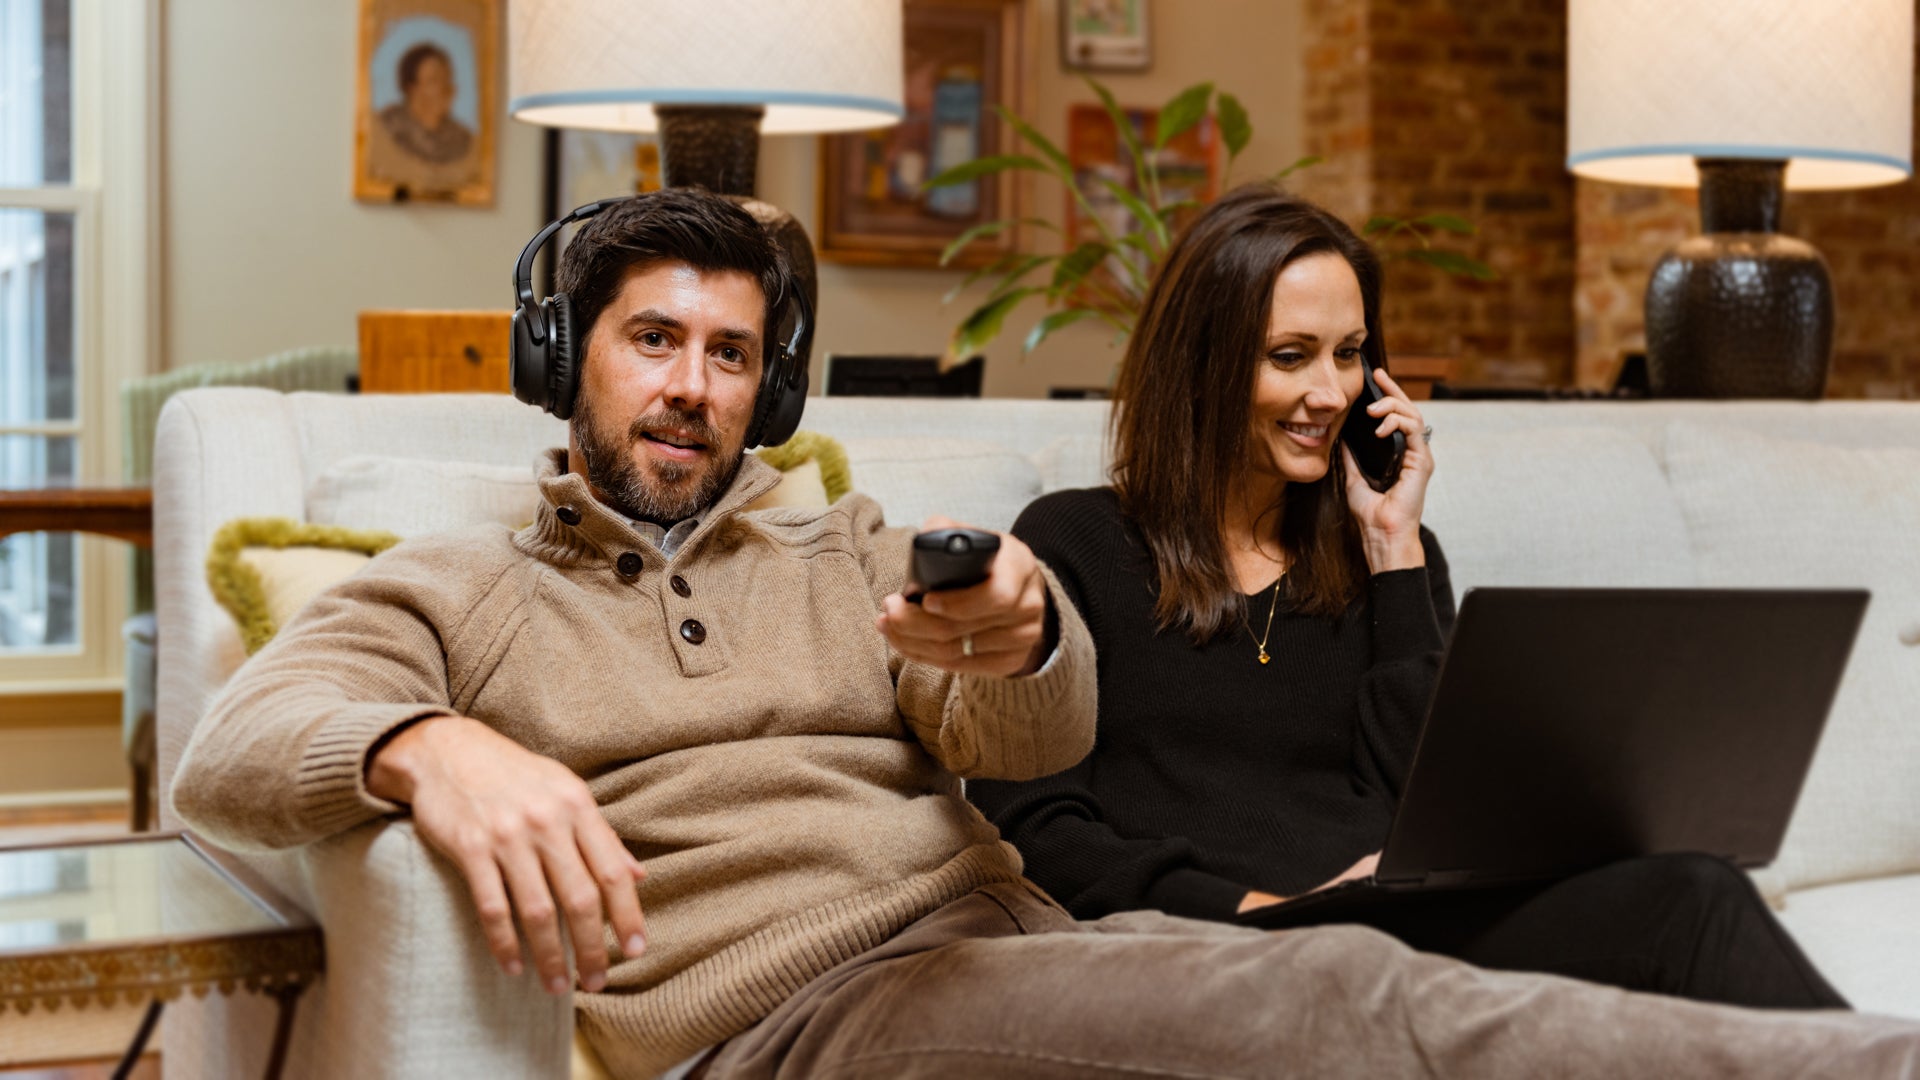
(693, 631)
(629, 565)
(568, 515)
(680, 587)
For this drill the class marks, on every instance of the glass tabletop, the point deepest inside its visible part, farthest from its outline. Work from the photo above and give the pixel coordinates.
(124, 891)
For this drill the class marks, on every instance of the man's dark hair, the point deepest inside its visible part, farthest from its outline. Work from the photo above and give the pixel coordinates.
(687, 225)
(420, 54)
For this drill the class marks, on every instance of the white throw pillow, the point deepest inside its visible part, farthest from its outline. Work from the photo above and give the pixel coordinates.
(1574, 506)
(978, 483)
(1775, 513)
(412, 496)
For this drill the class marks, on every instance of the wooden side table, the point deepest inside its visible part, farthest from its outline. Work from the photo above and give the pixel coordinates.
(122, 513)
(139, 920)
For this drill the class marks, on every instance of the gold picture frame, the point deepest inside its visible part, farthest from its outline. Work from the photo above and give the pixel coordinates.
(426, 110)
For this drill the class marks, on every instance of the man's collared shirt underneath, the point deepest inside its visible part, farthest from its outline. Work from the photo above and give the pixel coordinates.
(667, 540)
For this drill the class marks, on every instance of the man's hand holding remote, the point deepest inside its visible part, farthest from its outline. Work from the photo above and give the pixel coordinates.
(1001, 627)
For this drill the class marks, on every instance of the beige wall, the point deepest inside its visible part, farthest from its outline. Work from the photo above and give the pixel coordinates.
(266, 249)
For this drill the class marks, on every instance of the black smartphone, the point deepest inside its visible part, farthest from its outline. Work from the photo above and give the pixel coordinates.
(1378, 458)
(950, 559)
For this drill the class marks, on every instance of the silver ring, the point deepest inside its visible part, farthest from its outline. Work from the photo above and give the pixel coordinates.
(966, 644)
(1426, 434)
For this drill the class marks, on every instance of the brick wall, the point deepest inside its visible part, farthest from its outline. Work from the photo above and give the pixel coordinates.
(1457, 106)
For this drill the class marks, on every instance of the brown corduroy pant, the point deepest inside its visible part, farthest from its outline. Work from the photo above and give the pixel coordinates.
(1003, 983)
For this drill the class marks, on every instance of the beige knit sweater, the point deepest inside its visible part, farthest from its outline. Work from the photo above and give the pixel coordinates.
(790, 782)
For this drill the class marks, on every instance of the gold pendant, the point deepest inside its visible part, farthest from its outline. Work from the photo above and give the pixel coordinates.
(1264, 657)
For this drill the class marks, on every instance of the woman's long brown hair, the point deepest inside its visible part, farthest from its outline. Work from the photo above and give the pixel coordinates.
(1183, 405)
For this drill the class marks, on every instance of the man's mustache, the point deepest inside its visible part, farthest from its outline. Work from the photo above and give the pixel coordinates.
(688, 423)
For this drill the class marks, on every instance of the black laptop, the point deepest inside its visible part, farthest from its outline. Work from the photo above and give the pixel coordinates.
(1570, 728)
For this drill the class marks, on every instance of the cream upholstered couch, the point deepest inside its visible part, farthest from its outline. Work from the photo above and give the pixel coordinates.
(1551, 493)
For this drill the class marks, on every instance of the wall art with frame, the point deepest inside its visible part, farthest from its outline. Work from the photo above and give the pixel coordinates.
(427, 111)
(962, 58)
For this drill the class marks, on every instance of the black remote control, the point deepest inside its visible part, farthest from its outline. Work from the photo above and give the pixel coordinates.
(950, 559)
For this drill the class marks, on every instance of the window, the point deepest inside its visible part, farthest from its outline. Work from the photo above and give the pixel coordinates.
(75, 308)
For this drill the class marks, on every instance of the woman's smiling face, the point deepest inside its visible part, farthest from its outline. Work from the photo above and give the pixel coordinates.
(1310, 371)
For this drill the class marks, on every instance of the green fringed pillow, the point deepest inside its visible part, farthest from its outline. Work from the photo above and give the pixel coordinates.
(815, 468)
(262, 570)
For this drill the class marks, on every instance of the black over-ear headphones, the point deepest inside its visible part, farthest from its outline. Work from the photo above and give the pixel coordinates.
(545, 353)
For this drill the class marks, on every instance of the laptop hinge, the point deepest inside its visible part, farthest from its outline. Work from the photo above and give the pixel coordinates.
(1440, 879)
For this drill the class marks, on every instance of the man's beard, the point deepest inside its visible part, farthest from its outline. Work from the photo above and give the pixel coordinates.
(675, 490)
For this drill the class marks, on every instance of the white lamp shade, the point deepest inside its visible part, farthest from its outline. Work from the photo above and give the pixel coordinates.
(817, 65)
(1826, 85)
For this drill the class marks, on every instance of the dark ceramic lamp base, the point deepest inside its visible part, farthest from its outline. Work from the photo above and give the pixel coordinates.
(716, 147)
(1742, 311)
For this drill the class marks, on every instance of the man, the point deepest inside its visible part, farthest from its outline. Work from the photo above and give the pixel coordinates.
(744, 702)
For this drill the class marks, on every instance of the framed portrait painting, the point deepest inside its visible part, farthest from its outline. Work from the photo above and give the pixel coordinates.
(962, 57)
(427, 112)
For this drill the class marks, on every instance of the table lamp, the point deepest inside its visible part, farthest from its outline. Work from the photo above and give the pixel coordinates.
(1741, 98)
(709, 75)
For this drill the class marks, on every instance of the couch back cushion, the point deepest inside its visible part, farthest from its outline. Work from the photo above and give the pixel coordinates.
(1555, 506)
(978, 483)
(1777, 513)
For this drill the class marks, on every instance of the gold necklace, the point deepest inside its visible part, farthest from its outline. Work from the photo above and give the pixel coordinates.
(1262, 642)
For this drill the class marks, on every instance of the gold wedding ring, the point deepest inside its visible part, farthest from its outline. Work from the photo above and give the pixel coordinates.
(966, 644)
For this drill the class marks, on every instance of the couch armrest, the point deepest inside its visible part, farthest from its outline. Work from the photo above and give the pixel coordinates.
(410, 989)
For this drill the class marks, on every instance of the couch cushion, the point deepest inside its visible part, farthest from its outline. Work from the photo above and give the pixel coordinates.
(412, 496)
(1864, 937)
(1778, 513)
(976, 483)
(1554, 506)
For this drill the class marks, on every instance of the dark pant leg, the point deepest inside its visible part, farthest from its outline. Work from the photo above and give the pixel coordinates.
(1690, 926)
(1000, 984)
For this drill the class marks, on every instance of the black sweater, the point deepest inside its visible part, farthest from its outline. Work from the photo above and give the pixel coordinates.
(1211, 773)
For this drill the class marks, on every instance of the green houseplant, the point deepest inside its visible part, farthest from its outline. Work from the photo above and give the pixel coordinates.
(1105, 277)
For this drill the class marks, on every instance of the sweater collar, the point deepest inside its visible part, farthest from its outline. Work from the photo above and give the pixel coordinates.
(570, 526)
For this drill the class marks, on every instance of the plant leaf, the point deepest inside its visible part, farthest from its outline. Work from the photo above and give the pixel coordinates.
(979, 329)
(1128, 136)
(1452, 223)
(1027, 265)
(1380, 223)
(990, 228)
(1053, 322)
(1304, 163)
(1074, 267)
(1235, 129)
(978, 167)
(1139, 209)
(1185, 110)
(1033, 138)
(1453, 262)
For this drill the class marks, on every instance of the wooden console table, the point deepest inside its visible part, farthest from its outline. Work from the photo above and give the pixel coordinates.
(122, 513)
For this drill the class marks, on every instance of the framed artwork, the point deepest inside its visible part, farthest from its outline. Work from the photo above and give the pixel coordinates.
(427, 110)
(1189, 168)
(1105, 35)
(582, 166)
(962, 57)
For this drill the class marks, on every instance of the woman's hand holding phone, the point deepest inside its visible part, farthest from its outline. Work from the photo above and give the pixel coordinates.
(1390, 520)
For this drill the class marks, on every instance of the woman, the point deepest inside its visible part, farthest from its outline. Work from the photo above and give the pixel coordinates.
(1269, 631)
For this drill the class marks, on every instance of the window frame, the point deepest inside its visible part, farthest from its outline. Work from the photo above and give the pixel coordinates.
(114, 197)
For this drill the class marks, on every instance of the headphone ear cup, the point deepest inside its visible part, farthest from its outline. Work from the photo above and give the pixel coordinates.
(789, 401)
(527, 361)
(563, 364)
